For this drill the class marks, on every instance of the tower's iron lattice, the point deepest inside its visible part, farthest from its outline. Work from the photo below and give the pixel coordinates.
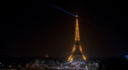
(77, 51)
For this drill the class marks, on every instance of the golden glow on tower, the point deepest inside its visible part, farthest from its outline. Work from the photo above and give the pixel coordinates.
(74, 48)
(77, 36)
(80, 48)
(70, 58)
(77, 40)
(84, 57)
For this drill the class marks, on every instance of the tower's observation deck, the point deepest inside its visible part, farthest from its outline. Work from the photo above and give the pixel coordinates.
(77, 51)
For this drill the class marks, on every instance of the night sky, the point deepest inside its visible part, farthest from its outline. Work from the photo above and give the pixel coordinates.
(33, 28)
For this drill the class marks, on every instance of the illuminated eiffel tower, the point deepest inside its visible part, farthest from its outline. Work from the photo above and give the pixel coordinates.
(77, 51)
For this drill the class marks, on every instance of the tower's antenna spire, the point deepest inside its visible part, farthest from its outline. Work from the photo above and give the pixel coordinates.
(76, 15)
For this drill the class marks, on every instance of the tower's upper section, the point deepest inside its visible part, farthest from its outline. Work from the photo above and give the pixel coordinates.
(77, 36)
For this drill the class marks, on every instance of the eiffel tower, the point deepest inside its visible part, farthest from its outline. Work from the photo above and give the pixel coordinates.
(77, 51)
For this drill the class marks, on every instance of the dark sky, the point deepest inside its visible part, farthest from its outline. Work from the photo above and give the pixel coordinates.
(33, 28)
